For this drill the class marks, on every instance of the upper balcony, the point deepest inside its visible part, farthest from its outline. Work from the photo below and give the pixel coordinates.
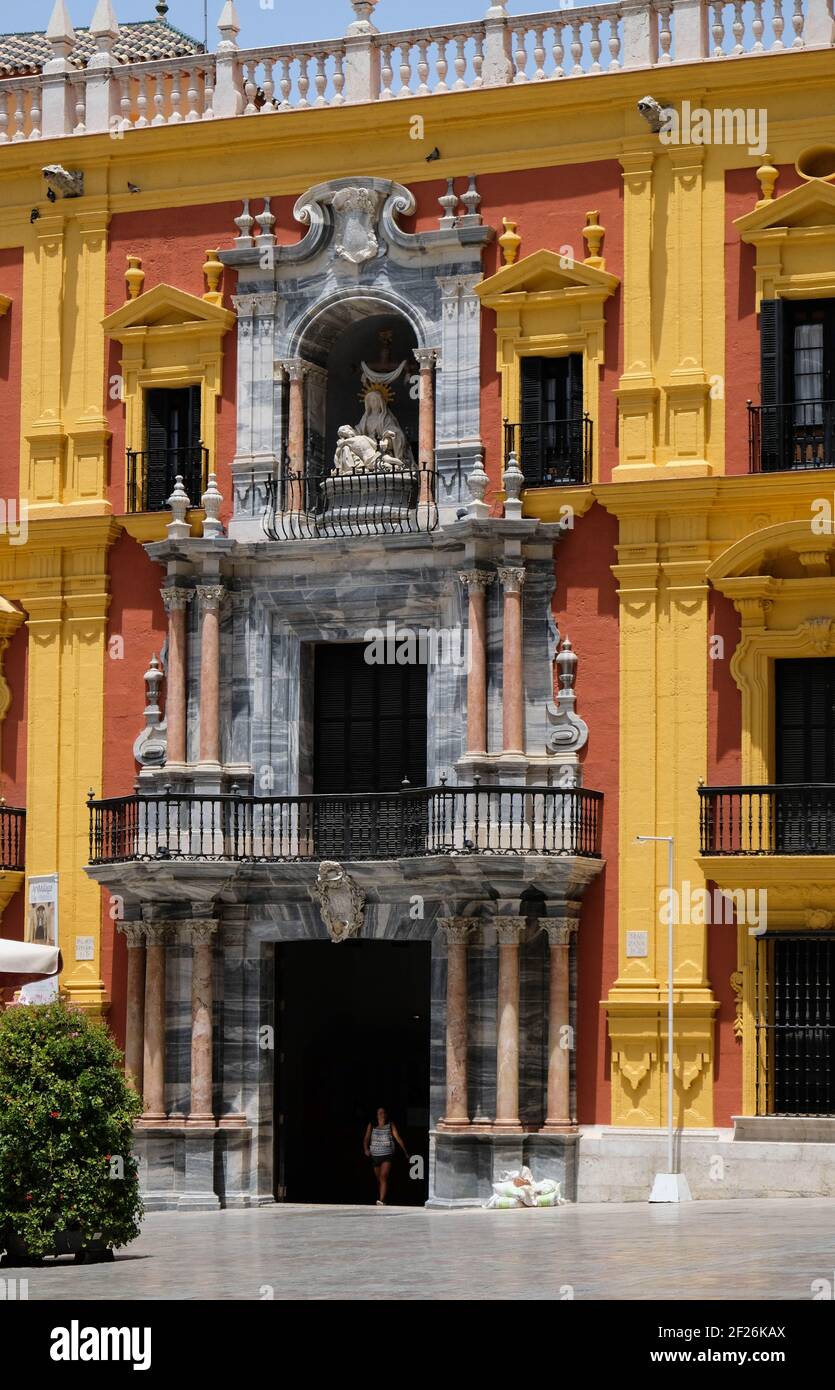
(791, 437)
(552, 453)
(152, 473)
(415, 823)
(79, 98)
(784, 818)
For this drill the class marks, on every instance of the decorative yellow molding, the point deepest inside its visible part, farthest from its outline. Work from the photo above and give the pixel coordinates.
(134, 277)
(794, 236)
(170, 338)
(767, 177)
(213, 274)
(509, 241)
(593, 235)
(548, 306)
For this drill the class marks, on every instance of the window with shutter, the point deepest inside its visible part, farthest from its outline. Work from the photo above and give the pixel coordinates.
(172, 444)
(551, 427)
(805, 754)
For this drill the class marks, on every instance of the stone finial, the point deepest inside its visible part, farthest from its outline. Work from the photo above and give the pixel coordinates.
(568, 732)
(513, 480)
(244, 223)
(449, 205)
(767, 176)
(593, 235)
(510, 240)
(149, 747)
(477, 484)
(266, 222)
(134, 277)
(213, 274)
(104, 26)
(211, 503)
(229, 26)
(472, 201)
(60, 34)
(178, 528)
(162, 8)
(362, 22)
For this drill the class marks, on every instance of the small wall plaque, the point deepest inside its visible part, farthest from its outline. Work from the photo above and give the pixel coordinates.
(637, 943)
(84, 948)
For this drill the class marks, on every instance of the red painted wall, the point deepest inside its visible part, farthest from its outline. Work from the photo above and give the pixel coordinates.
(172, 243)
(11, 284)
(742, 346)
(137, 617)
(724, 768)
(13, 755)
(586, 610)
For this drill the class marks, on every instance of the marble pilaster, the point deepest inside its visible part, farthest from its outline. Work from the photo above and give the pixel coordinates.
(201, 933)
(211, 597)
(175, 598)
(512, 578)
(134, 934)
(509, 932)
(457, 931)
(476, 582)
(558, 1110)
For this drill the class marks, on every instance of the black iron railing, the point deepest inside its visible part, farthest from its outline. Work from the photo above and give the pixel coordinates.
(379, 825)
(153, 472)
(795, 436)
(794, 996)
(308, 505)
(12, 837)
(552, 453)
(787, 818)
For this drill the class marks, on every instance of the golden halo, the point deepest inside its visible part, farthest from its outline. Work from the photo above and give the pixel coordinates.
(385, 391)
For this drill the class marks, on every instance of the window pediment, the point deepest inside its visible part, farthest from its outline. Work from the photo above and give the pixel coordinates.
(547, 273)
(793, 236)
(165, 306)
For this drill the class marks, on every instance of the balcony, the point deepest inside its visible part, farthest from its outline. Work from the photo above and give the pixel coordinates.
(12, 837)
(552, 453)
(794, 436)
(308, 505)
(790, 818)
(429, 821)
(151, 474)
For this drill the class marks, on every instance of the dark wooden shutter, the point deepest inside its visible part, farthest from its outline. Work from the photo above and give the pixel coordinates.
(575, 386)
(157, 434)
(193, 430)
(533, 413)
(805, 755)
(369, 723)
(774, 420)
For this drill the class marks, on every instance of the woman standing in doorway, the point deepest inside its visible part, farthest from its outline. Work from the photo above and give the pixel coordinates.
(378, 1144)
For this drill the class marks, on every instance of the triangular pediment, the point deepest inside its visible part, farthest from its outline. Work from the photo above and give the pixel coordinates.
(166, 307)
(812, 204)
(546, 272)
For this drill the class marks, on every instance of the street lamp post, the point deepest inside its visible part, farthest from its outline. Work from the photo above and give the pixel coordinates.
(670, 1186)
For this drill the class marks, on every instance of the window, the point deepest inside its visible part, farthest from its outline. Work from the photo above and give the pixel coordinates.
(172, 446)
(551, 437)
(797, 414)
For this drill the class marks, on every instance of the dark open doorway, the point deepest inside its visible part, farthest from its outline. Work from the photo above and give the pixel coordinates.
(353, 1033)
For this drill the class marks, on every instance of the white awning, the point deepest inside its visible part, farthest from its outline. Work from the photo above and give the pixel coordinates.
(25, 958)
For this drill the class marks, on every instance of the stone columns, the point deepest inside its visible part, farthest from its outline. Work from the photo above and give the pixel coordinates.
(153, 1080)
(295, 370)
(425, 358)
(134, 934)
(174, 599)
(558, 1110)
(476, 582)
(211, 597)
(201, 1111)
(513, 684)
(457, 929)
(509, 931)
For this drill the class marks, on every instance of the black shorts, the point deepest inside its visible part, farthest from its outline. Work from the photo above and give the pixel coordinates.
(377, 1159)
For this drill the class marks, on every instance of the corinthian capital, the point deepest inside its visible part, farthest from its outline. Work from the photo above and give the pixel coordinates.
(133, 932)
(211, 597)
(425, 357)
(201, 930)
(294, 368)
(476, 579)
(458, 929)
(510, 930)
(175, 598)
(560, 932)
(512, 577)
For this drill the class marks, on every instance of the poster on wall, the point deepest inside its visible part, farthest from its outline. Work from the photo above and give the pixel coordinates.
(42, 910)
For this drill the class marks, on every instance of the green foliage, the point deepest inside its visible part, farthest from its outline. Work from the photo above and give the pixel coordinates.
(66, 1125)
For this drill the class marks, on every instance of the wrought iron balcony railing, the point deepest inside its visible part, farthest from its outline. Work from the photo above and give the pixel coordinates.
(378, 825)
(308, 505)
(12, 837)
(153, 472)
(787, 818)
(552, 453)
(794, 436)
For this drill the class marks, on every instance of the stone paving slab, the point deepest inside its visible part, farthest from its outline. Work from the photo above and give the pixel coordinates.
(769, 1249)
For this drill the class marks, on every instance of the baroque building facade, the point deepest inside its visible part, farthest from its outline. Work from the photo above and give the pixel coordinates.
(416, 462)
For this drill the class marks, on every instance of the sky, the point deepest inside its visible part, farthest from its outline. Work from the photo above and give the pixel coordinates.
(262, 21)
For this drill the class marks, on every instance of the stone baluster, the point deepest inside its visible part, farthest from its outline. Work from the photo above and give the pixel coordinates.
(202, 932)
(509, 931)
(457, 931)
(153, 1074)
(134, 934)
(175, 599)
(558, 1107)
(476, 582)
(513, 686)
(211, 598)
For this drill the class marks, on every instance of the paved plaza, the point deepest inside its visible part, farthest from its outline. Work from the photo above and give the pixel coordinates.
(704, 1250)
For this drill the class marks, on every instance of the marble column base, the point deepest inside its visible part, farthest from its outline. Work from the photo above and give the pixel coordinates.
(154, 1121)
(558, 1127)
(454, 1126)
(464, 1166)
(198, 1191)
(195, 1167)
